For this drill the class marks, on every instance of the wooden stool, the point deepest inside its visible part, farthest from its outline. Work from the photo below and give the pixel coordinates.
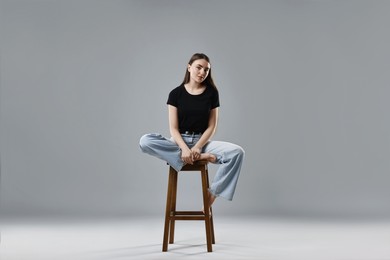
(171, 215)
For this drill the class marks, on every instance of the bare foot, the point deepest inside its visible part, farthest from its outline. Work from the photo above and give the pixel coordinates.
(208, 156)
(211, 199)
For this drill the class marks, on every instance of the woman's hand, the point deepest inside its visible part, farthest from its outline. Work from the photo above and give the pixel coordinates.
(187, 156)
(195, 153)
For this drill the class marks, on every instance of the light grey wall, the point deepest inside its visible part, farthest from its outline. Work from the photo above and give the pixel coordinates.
(304, 89)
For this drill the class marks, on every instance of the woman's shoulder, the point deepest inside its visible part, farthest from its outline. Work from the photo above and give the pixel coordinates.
(212, 90)
(177, 89)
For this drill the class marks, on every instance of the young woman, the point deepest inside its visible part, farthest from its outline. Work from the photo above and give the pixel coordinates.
(193, 115)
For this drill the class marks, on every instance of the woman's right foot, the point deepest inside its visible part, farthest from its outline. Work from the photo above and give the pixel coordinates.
(211, 199)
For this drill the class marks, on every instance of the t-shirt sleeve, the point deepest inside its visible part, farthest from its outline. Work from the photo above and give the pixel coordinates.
(215, 100)
(172, 98)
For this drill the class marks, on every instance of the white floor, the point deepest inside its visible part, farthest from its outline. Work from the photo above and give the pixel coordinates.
(236, 237)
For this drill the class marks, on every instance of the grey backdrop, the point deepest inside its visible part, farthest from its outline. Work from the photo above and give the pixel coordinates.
(304, 88)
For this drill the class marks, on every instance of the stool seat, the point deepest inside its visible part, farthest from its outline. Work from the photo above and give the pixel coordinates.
(171, 215)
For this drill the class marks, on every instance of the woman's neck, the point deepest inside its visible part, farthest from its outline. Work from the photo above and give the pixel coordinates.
(194, 88)
(193, 85)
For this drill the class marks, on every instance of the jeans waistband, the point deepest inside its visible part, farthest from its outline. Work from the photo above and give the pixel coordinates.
(191, 133)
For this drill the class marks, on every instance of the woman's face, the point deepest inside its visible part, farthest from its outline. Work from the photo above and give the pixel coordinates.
(199, 70)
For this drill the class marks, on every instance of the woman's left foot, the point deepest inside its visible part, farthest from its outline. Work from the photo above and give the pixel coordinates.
(208, 157)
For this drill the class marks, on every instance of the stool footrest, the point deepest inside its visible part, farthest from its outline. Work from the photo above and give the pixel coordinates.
(188, 218)
(188, 215)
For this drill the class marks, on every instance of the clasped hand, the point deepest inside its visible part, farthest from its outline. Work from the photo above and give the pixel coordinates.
(189, 156)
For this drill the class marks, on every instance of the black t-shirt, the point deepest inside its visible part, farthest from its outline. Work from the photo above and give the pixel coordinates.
(193, 110)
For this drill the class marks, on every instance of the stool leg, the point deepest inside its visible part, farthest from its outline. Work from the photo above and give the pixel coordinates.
(206, 210)
(212, 226)
(211, 210)
(168, 209)
(173, 207)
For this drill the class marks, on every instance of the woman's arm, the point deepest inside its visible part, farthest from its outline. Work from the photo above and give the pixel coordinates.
(206, 136)
(186, 154)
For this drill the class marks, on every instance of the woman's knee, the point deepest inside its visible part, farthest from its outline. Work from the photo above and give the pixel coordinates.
(239, 151)
(145, 141)
(235, 151)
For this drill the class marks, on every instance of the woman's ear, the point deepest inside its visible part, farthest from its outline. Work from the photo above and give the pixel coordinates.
(188, 67)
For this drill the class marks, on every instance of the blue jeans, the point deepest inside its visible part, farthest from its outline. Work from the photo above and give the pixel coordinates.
(229, 156)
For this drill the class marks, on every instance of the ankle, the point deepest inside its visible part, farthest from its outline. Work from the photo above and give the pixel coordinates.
(211, 199)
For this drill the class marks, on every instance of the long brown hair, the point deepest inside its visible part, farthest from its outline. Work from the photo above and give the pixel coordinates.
(209, 80)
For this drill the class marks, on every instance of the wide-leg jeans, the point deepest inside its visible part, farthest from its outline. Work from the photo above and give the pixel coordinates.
(229, 157)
